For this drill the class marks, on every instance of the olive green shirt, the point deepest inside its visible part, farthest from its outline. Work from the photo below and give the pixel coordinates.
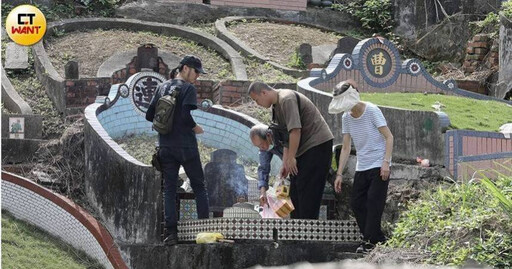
(314, 129)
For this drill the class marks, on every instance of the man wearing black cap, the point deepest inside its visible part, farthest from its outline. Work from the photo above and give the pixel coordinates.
(179, 147)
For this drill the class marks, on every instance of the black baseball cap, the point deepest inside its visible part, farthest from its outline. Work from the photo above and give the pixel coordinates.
(194, 62)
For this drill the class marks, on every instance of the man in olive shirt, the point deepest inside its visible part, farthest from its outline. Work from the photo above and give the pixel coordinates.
(307, 155)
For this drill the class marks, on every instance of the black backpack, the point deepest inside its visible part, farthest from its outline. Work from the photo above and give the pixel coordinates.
(165, 106)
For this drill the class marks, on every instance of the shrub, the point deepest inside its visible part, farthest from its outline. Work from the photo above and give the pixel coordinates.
(456, 222)
(374, 15)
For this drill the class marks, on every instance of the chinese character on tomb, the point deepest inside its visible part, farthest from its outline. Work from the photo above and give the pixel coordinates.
(378, 61)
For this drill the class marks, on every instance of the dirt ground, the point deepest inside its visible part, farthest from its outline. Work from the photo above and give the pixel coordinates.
(101, 44)
(279, 41)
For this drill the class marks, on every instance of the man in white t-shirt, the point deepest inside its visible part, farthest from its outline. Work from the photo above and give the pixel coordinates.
(364, 123)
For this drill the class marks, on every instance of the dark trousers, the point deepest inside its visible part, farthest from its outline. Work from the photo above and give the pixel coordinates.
(307, 187)
(368, 200)
(171, 159)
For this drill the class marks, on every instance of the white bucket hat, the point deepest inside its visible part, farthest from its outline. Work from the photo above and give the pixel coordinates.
(345, 97)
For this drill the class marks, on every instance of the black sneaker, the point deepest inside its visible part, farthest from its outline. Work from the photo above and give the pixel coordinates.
(365, 247)
(171, 239)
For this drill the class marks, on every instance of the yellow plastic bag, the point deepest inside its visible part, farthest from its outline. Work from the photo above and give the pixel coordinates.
(207, 238)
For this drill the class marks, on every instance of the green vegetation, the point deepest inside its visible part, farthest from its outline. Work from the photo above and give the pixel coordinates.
(69, 9)
(375, 15)
(26, 246)
(459, 221)
(464, 113)
(491, 23)
(296, 62)
(266, 72)
(506, 9)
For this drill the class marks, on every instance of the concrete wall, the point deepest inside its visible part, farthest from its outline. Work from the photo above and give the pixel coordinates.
(126, 192)
(11, 99)
(283, 4)
(181, 13)
(59, 217)
(505, 73)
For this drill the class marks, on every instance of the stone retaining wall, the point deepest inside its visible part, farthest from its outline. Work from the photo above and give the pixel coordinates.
(283, 4)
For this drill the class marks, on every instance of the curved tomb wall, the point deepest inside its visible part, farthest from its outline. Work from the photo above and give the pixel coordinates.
(126, 191)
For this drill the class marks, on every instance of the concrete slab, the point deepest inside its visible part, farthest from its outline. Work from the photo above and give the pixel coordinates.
(16, 56)
(321, 53)
(120, 60)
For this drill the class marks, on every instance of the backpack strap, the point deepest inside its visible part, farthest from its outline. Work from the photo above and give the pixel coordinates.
(166, 87)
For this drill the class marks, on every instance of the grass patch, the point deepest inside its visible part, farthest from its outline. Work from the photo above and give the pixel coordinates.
(266, 72)
(464, 113)
(26, 246)
(455, 222)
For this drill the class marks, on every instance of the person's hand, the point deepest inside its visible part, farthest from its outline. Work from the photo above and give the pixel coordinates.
(283, 173)
(198, 129)
(263, 197)
(384, 171)
(337, 183)
(291, 166)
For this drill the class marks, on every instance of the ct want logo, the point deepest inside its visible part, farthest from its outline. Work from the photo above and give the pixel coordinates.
(25, 25)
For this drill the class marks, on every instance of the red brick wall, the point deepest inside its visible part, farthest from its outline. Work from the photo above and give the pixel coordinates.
(404, 83)
(476, 144)
(230, 92)
(272, 4)
(481, 50)
(122, 75)
(82, 92)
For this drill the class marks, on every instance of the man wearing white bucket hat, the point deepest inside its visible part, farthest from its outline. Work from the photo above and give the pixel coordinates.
(364, 123)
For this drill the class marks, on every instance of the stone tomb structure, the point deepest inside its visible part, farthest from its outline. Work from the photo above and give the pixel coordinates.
(376, 66)
(225, 179)
(127, 193)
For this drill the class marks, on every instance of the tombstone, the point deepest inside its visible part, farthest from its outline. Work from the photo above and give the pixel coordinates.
(345, 45)
(225, 180)
(322, 53)
(16, 56)
(147, 57)
(305, 53)
(71, 70)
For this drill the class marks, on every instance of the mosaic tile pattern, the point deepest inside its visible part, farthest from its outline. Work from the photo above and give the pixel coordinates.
(188, 210)
(240, 213)
(262, 229)
(31, 207)
(253, 193)
(323, 212)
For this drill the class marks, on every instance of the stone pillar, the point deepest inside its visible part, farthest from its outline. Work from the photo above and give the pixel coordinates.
(225, 179)
(305, 53)
(504, 86)
(147, 57)
(71, 70)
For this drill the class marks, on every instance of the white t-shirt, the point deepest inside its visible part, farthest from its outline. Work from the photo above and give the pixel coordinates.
(369, 142)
